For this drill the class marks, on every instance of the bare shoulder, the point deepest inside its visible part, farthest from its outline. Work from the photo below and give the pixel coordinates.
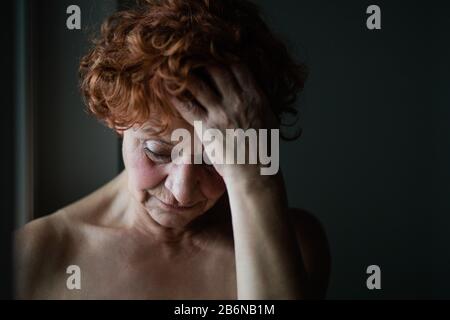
(39, 234)
(45, 247)
(52, 231)
(38, 250)
(315, 249)
(45, 237)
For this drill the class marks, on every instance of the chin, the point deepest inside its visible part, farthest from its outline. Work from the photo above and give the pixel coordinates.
(171, 219)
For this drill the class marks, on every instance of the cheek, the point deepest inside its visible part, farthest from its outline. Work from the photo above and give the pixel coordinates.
(144, 173)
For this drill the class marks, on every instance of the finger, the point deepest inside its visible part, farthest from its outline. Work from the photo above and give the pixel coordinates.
(225, 81)
(203, 93)
(190, 111)
(244, 77)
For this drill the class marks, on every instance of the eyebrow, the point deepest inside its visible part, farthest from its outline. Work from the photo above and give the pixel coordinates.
(151, 132)
(164, 142)
(160, 141)
(147, 129)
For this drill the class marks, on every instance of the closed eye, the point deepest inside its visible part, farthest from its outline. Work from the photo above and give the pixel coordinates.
(157, 157)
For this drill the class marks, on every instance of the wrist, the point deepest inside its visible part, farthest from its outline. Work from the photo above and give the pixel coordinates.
(249, 176)
(234, 173)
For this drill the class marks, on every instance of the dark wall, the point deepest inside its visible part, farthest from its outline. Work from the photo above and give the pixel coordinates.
(7, 206)
(373, 160)
(439, 105)
(74, 154)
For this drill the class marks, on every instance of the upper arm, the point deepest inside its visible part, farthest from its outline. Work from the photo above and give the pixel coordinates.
(315, 251)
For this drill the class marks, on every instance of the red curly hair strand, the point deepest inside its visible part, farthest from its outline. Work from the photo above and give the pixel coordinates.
(145, 54)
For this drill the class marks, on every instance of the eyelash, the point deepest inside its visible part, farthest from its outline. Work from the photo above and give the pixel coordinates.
(165, 159)
(156, 156)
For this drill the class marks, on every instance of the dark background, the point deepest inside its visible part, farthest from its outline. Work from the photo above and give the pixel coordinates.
(7, 160)
(372, 163)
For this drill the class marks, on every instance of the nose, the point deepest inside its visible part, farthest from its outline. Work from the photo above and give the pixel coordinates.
(183, 182)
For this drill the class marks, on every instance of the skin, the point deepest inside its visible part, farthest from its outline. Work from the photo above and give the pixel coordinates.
(162, 230)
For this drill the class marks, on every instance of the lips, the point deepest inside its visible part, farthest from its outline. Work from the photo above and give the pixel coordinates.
(175, 207)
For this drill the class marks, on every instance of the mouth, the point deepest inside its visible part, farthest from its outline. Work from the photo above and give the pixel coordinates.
(175, 207)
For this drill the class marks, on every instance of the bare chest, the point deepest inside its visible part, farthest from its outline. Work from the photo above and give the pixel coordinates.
(113, 273)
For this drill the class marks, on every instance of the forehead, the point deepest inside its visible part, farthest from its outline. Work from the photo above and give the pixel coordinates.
(152, 129)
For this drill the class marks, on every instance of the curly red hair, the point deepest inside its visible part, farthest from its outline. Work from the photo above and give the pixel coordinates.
(145, 54)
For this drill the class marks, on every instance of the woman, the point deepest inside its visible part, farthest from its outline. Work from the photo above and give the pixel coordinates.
(163, 229)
